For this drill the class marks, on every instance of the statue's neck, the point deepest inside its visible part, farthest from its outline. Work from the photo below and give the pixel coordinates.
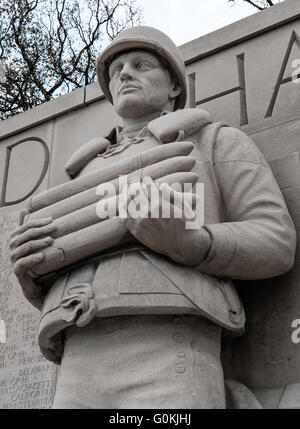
(134, 122)
(132, 128)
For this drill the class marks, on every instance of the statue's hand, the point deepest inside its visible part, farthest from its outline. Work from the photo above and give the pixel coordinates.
(25, 245)
(168, 236)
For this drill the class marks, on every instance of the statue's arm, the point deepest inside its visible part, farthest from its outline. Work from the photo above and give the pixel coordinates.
(258, 239)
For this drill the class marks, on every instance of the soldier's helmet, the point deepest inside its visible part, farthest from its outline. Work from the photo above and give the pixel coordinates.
(150, 39)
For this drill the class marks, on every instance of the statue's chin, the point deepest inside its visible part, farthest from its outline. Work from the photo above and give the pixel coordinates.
(132, 106)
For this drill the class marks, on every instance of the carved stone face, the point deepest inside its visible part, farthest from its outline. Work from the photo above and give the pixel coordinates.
(140, 85)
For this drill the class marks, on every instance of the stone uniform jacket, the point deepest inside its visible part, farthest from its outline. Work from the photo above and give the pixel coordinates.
(252, 237)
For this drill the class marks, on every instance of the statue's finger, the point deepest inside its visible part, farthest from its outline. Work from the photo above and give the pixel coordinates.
(30, 247)
(23, 213)
(31, 234)
(26, 263)
(36, 223)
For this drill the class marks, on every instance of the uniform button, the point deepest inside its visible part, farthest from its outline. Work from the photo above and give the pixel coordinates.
(180, 369)
(178, 338)
(180, 354)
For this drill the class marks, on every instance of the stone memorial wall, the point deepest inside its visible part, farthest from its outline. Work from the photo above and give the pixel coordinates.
(247, 75)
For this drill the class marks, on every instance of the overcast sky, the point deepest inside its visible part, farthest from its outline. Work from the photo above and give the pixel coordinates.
(185, 20)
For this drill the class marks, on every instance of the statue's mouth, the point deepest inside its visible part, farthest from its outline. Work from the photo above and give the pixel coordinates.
(128, 87)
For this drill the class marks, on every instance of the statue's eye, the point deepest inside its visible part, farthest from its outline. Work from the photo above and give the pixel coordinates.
(115, 71)
(144, 66)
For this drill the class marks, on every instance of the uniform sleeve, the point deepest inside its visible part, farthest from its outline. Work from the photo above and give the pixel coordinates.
(258, 238)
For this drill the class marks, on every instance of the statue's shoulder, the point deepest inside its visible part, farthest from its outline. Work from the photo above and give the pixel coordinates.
(219, 142)
(232, 144)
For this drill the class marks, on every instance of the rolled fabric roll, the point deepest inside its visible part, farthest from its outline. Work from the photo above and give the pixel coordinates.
(86, 216)
(82, 244)
(84, 154)
(179, 124)
(89, 196)
(88, 241)
(122, 167)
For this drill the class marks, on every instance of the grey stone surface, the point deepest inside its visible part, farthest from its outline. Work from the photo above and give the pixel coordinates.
(261, 66)
(240, 31)
(93, 93)
(267, 349)
(269, 398)
(254, 47)
(238, 397)
(43, 113)
(24, 159)
(73, 130)
(252, 27)
(248, 247)
(278, 140)
(27, 379)
(291, 397)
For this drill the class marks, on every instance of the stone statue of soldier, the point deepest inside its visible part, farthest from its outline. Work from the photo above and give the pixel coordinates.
(139, 325)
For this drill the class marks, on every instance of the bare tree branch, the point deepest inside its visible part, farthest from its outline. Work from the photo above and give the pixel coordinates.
(259, 4)
(50, 47)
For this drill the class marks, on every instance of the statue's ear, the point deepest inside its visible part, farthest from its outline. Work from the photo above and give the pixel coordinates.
(84, 154)
(175, 89)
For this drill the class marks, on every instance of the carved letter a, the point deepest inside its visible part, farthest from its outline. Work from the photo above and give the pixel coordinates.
(281, 81)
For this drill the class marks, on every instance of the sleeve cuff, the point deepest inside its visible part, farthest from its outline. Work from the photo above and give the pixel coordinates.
(221, 251)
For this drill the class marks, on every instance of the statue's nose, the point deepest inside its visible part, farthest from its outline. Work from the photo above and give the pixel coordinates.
(127, 72)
